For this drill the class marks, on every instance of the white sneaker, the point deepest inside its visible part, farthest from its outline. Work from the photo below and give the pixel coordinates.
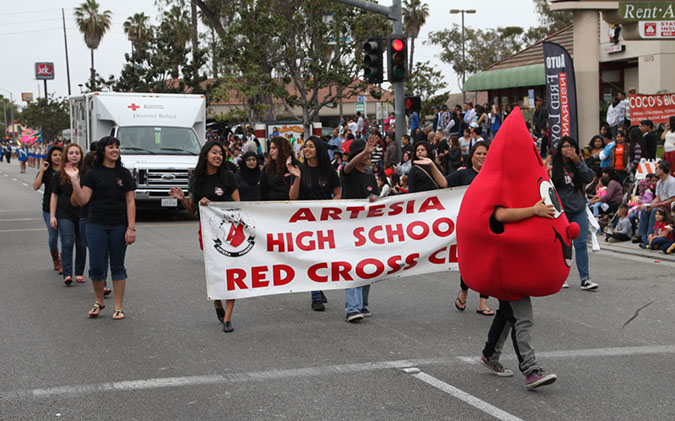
(588, 285)
(566, 285)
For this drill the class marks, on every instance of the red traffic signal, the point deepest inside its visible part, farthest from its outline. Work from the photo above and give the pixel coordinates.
(397, 58)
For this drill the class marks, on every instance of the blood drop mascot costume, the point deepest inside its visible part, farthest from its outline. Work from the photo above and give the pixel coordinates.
(531, 257)
(516, 260)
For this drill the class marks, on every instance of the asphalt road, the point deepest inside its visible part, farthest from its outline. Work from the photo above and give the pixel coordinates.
(170, 359)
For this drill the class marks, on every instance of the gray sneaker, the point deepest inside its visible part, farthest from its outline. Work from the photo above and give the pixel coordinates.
(539, 378)
(587, 285)
(496, 367)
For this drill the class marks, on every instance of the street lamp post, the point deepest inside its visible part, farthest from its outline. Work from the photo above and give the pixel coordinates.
(11, 112)
(463, 11)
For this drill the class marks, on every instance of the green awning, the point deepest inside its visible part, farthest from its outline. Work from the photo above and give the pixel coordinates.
(514, 77)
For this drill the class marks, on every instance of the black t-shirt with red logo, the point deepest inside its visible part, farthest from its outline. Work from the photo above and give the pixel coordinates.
(358, 185)
(215, 188)
(109, 186)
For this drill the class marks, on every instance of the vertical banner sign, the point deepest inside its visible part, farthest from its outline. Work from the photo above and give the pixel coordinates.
(561, 94)
(263, 248)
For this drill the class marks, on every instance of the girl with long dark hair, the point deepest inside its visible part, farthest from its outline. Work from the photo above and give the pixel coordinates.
(425, 174)
(108, 188)
(88, 163)
(619, 156)
(315, 179)
(569, 173)
(275, 179)
(211, 182)
(48, 170)
(464, 177)
(65, 217)
(637, 147)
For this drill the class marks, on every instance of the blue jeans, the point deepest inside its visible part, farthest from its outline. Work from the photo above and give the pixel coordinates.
(356, 299)
(660, 243)
(53, 234)
(316, 296)
(106, 240)
(580, 243)
(69, 231)
(647, 222)
(83, 231)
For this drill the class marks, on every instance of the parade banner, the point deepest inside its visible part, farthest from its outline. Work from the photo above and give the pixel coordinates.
(561, 94)
(657, 108)
(262, 248)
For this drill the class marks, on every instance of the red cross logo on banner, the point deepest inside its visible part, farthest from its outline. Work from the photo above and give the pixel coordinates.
(133, 107)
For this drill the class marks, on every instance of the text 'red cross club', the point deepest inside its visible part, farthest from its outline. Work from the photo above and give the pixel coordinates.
(133, 107)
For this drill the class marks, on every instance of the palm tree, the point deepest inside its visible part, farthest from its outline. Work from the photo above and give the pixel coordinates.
(415, 15)
(137, 29)
(93, 24)
(177, 22)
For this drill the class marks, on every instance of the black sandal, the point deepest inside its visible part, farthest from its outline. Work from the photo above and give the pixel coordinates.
(98, 307)
(460, 302)
(117, 313)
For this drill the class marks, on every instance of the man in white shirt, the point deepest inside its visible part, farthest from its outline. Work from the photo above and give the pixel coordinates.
(353, 127)
(665, 196)
(359, 123)
(469, 113)
(615, 115)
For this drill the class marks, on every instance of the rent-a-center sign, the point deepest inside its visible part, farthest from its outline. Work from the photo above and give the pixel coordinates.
(44, 71)
(634, 11)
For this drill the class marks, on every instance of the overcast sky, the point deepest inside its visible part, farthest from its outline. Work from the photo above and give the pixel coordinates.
(32, 31)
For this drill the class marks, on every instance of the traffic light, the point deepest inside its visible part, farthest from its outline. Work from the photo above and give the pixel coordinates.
(413, 103)
(373, 67)
(397, 58)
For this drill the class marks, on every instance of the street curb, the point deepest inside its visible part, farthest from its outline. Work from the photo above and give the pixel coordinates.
(654, 255)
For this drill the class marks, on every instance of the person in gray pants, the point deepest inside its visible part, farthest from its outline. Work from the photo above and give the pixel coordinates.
(516, 316)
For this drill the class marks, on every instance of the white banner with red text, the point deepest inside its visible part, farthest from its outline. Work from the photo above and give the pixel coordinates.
(262, 248)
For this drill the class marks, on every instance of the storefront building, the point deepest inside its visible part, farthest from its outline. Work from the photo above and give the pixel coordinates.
(615, 46)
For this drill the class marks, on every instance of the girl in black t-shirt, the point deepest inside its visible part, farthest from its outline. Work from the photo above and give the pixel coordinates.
(424, 173)
(65, 217)
(315, 179)
(275, 179)
(48, 168)
(211, 182)
(108, 188)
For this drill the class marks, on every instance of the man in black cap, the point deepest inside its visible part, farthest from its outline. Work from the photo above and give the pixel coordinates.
(540, 116)
(359, 184)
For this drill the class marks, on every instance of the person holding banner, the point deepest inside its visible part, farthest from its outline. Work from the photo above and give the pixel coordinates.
(464, 177)
(425, 172)
(359, 184)
(211, 182)
(275, 180)
(315, 179)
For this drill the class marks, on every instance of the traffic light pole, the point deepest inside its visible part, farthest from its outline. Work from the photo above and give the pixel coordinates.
(395, 14)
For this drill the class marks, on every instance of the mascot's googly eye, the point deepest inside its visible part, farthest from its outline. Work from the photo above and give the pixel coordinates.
(550, 196)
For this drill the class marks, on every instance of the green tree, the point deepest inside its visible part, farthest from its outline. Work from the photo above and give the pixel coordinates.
(415, 15)
(49, 114)
(137, 28)
(93, 25)
(427, 82)
(550, 21)
(483, 48)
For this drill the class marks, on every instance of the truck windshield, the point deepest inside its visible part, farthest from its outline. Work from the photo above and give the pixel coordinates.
(159, 140)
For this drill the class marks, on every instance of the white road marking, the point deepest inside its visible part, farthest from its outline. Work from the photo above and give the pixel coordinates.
(14, 179)
(28, 229)
(25, 184)
(16, 210)
(593, 352)
(73, 391)
(21, 219)
(312, 372)
(463, 396)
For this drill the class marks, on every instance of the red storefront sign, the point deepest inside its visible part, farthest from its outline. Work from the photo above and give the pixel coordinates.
(657, 108)
(44, 71)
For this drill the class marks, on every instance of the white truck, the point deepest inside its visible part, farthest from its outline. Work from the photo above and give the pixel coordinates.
(160, 136)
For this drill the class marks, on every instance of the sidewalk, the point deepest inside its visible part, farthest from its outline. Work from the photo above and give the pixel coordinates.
(626, 247)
